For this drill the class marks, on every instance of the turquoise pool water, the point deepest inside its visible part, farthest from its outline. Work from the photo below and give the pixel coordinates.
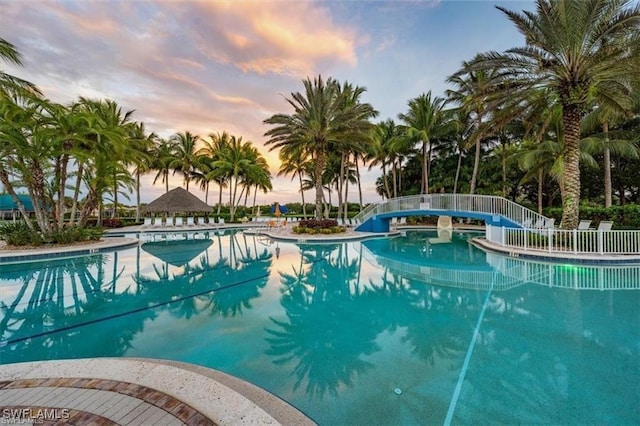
(407, 330)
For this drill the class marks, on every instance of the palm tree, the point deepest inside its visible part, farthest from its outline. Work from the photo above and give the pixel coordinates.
(324, 116)
(10, 84)
(163, 154)
(143, 144)
(472, 95)
(603, 117)
(425, 121)
(573, 48)
(292, 162)
(186, 158)
(210, 153)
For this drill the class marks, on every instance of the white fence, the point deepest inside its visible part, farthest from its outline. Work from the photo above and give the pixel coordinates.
(459, 202)
(566, 241)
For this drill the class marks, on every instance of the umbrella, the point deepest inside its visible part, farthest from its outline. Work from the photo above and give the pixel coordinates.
(178, 200)
(278, 210)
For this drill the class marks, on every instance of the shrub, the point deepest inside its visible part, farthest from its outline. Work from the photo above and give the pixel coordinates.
(112, 223)
(319, 223)
(19, 234)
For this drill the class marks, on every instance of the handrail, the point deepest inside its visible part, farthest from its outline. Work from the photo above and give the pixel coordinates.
(573, 241)
(489, 204)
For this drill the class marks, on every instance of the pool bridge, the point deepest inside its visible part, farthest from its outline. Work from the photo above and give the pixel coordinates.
(495, 211)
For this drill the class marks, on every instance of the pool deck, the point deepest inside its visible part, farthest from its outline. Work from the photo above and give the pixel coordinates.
(134, 391)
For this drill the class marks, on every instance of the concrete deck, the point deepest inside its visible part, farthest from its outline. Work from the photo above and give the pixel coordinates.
(132, 391)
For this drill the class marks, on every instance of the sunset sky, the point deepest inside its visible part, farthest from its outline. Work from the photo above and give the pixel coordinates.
(213, 66)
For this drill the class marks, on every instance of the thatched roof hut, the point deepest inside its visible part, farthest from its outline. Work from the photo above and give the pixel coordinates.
(177, 200)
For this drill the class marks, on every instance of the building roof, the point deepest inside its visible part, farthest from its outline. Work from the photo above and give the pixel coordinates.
(178, 200)
(7, 203)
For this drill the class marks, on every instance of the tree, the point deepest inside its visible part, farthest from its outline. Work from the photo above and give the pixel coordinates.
(185, 155)
(425, 121)
(323, 117)
(573, 48)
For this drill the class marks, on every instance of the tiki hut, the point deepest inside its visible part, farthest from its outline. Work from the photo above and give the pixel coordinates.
(177, 200)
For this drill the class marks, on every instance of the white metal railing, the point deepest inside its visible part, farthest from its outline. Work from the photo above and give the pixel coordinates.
(459, 202)
(583, 277)
(573, 241)
(510, 272)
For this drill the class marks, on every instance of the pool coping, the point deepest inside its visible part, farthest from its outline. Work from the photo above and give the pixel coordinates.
(220, 397)
(59, 252)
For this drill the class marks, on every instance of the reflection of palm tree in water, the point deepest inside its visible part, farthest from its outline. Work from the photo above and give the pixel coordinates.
(328, 350)
(47, 311)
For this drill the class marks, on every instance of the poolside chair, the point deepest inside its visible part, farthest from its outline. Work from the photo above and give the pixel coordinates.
(220, 221)
(403, 220)
(394, 222)
(605, 225)
(190, 221)
(539, 224)
(148, 221)
(584, 225)
(178, 221)
(340, 222)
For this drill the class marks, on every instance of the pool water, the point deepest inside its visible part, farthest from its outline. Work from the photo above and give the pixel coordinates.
(405, 330)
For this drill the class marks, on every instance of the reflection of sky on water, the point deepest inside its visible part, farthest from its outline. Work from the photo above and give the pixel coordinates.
(336, 328)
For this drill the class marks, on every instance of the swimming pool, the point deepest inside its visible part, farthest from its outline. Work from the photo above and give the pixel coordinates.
(386, 331)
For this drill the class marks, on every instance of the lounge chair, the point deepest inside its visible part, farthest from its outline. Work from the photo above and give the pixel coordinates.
(178, 221)
(220, 221)
(190, 221)
(584, 225)
(403, 221)
(605, 225)
(148, 221)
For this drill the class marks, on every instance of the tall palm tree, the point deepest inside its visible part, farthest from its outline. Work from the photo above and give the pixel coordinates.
(143, 145)
(472, 95)
(292, 161)
(425, 121)
(322, 118)
(598, 124)
(163, 154)
(573, 48)
(186, 157)
(210, 152)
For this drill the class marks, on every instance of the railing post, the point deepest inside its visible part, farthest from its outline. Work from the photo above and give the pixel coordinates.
(550, 237)
(502, 235)
(600, 242)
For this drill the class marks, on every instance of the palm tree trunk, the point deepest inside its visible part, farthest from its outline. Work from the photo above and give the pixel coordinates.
(359, 182)
(319, 167)
(219, 197)
(76, 193)
(425, 182)
(458, 167)
(206, 192)
(4, 178)
(346, 199)
(137, 195)
(571, 175)
(607, 166)
(540, 177)
(476, 165)
(304, 206)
